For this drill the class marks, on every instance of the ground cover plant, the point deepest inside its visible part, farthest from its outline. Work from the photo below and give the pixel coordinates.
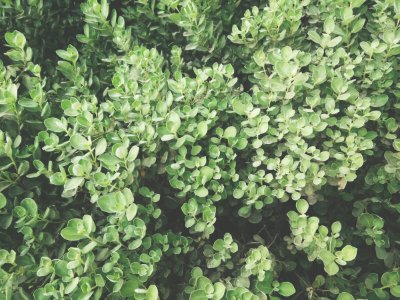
(199, 150)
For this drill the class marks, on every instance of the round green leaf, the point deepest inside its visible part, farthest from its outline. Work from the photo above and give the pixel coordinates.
(152, 293)
(286, 289)
(395, 291)
(349, 253)
(345, 296)
(112, 203)
(55, 125)
(70, 234)
(230, 132)
(79, 142)
(201, 192)
(302, 206)
(331, 268)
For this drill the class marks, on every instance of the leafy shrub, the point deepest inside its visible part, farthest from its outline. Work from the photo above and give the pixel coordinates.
(199, 149)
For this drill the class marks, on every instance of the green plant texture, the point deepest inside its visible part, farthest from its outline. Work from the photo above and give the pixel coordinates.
(200, 150)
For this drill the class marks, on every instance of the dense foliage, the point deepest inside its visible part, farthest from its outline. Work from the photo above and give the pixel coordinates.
(199, 150)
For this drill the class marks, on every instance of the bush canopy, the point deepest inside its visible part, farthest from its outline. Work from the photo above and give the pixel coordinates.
(224, 150)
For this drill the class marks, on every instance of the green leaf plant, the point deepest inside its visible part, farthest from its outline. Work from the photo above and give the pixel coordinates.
(199, 149)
